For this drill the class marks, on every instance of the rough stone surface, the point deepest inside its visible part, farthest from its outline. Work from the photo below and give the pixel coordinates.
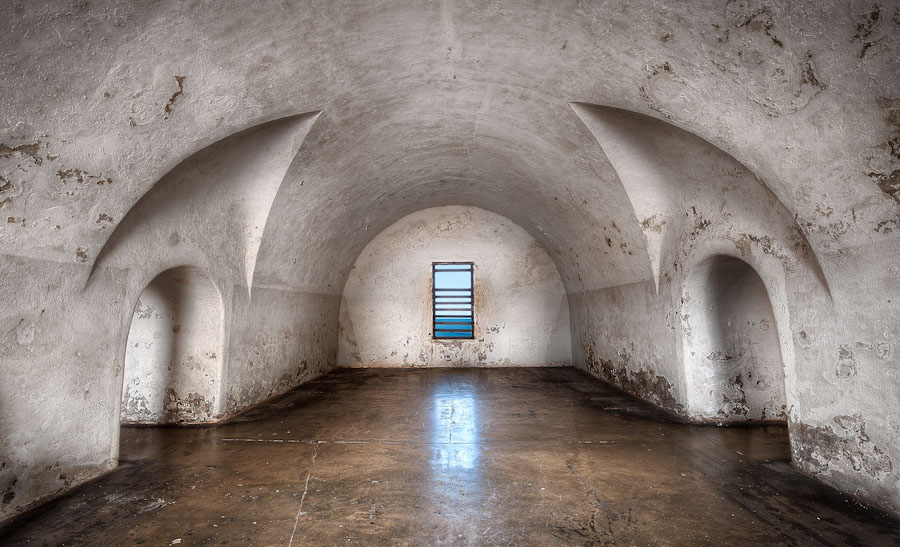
(266, 146)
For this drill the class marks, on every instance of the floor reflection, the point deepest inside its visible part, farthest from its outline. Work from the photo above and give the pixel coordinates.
(455, 430)
(456, 477)
(454, 456)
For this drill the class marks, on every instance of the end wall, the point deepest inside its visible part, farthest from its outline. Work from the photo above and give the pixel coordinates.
(521, 311)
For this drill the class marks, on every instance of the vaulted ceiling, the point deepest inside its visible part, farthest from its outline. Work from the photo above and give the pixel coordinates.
(520, 108)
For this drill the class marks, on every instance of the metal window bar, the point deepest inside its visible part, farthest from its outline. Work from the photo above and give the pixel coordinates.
(453, 307)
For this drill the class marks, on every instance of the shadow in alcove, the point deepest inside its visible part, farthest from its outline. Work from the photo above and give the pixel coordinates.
(731, 349)
(173, 354)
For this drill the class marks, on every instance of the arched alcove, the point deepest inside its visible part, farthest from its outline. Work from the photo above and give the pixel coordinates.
(173, 359)
(521, 313)
(732, 355)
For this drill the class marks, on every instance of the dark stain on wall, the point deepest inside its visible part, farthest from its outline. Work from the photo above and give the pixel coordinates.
(833, 229)
(817, 448)
(79, 176)
(5, 186)
(846, 367)
(758, 20)
(720, 355)
(653, 72)
(104, 220)
(766, 244)
(734, 400)
(654, 223)
(10, 493)
(644, 382)
(865, 28)
(193, 408)
(809, 77)
(174, 97)
(27, 150)
(888, 179)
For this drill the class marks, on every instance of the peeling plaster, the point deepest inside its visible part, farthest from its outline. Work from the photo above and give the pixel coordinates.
(521, 314)
(764, 160)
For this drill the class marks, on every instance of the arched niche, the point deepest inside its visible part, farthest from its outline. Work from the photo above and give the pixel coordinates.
(173, 358)
(732, 356)
(521, 313)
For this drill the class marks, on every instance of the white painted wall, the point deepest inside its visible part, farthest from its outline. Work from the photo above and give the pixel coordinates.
(173, 362)
(731, 349)
(136, 151)
(694, 202)
(521, 312)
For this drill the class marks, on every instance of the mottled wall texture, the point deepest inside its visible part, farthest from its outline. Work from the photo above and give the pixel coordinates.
(521, 311)
(732, 355)
(658, 152)
(173, 354)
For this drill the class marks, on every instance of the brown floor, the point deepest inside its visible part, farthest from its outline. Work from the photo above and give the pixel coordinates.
(457, 457)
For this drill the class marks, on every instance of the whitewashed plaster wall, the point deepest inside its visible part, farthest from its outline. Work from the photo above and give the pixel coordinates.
(634, 335)
(425, 104)
(732, 355)
(207, 214)
(521, 311)
(174, 352)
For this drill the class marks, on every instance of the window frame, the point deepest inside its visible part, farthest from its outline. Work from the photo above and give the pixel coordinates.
(434, 297)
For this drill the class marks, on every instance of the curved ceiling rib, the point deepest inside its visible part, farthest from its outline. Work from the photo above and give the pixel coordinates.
(213, 204)
(666, 170)
(642, 176)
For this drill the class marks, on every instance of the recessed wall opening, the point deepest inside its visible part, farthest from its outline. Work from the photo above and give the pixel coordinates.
(173, 356)
(731, 346)
(453, 300)
(454, 286)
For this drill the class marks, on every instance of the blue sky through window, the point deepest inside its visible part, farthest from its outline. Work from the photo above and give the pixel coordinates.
(453, 300)
(452, 280)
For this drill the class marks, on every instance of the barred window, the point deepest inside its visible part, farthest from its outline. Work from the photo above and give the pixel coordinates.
(453, 299)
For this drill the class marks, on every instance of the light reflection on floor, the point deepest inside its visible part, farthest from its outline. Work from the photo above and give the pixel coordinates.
(456, 478)
(455, 432)
(544, 456)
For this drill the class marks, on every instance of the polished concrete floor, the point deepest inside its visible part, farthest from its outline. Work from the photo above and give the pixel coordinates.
(546, 456)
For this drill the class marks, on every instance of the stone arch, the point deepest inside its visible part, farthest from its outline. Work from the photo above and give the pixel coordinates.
(173, 356)
(731, 349)
(521, 310)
